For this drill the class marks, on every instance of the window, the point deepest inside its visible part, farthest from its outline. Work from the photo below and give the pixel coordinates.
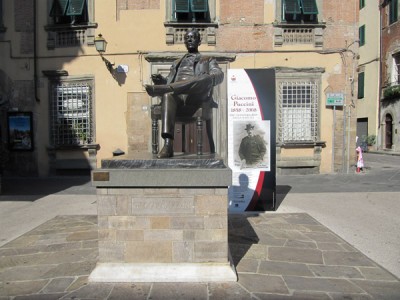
(302, 11)
(361, 35)
(70, 23)
(393, 11)
(298, 110)
(184, 14)
(2, 28)
(72, 113)
(69, 12)
(362, 4)
(361, 79)
(190, 11)
(396, 69)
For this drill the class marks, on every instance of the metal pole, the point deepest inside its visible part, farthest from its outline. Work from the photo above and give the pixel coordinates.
(344, 139)
(333, 138)
(348, 141)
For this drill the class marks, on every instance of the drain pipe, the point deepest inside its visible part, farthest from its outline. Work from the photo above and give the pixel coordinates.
(379, 133)
(35, 77)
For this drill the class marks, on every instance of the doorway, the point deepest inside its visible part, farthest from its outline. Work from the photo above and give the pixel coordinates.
(362, 130)
(388, 131)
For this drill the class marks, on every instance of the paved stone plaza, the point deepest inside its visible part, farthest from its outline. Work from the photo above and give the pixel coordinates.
(277, 256)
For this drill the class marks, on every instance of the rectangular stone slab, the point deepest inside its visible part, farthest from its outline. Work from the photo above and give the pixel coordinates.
(162, 177)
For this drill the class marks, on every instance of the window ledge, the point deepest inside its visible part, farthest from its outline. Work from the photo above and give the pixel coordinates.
(299, 34)
(302, 144)
(307, 25)
(54, 73)
(190, 24)
(62, 27)
(74, 147)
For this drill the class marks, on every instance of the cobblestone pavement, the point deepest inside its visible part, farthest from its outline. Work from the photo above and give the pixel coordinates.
(277, 256)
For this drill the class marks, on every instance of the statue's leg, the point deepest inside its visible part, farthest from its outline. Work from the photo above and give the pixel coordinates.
(169, 105)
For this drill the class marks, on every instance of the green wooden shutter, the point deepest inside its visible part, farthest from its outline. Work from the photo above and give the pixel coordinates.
(291, 6)
(393, 11)
(75, 7)
(199, 5)
(361, 35)
(362, 3)
(182, 6)
(58, 8)
(1, 13)
(309, 7)
(361, 79)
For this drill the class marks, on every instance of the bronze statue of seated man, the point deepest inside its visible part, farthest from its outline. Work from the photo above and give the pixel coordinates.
(189, 84)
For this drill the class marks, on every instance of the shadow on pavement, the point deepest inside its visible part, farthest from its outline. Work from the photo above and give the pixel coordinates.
(37, 186)
(241, 236)
(281, 193)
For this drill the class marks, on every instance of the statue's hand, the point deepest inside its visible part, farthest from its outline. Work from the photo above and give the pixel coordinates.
(158, 79)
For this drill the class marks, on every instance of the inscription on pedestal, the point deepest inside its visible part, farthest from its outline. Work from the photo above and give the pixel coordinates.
(157, 206)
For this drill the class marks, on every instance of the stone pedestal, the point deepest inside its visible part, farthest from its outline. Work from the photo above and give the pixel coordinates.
(161, 222)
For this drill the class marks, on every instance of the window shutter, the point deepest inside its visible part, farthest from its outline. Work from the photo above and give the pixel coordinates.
(182, 6)
(309, 7)
(361, 79)
(393, 11)
(75, 7)
(199, 5)
(58, 8)
(361, 34)
(292, 7)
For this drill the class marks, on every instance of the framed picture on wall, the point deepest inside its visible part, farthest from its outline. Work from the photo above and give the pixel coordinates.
(20, 132)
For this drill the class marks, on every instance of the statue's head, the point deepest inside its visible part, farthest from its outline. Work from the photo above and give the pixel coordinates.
(192, 40)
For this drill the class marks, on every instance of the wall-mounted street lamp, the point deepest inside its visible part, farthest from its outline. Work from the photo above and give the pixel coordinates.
(101, 44)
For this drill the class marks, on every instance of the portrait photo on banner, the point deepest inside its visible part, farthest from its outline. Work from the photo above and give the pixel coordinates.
(251, 145)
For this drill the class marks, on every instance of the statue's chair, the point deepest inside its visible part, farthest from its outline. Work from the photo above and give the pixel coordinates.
(200, 116)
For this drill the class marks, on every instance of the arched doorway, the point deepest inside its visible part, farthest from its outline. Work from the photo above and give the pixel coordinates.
(388, 131)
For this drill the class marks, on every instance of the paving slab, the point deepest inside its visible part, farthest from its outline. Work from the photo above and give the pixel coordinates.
(307, 261)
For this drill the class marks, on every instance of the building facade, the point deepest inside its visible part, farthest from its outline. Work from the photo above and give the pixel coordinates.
(389, 112)
(85, 106)
(368, 92)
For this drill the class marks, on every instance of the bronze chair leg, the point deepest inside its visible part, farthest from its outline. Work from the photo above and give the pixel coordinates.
(199, 127)
(210, 135)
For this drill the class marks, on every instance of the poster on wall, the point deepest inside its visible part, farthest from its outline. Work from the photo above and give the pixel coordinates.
(251, 139)
(20, 134)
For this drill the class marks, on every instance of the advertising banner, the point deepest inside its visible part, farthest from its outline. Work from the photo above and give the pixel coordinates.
(251, 139)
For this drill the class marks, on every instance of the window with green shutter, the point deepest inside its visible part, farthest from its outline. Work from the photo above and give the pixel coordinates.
(299, 11)
(69, 11)
(58, 8)
(361, 79)
(393, 11)
(361, 35)
(75, 7)
(362, 3)
(199, 5)
(309, 7)
(292, 6)
(189, 11)
(182, 6)
(2, 28)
